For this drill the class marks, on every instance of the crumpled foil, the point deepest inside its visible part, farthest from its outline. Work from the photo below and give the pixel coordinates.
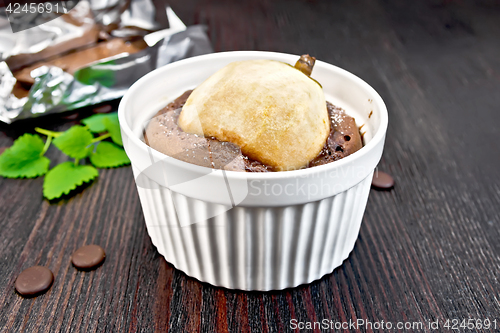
(62, 34)
(130, 18)
(55, 91)
(26, 18)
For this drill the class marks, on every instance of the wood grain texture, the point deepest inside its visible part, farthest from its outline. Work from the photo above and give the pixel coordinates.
(427, 250)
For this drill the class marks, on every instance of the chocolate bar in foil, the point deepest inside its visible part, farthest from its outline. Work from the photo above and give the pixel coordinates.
(68, 82)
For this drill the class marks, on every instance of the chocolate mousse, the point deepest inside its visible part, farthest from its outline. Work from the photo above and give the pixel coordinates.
(255, 116)
(164, 134)
(344, 138)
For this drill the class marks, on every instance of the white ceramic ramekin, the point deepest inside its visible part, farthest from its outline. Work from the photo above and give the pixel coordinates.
(252, 231)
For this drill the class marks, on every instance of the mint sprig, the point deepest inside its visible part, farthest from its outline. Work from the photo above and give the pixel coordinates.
(25, 158)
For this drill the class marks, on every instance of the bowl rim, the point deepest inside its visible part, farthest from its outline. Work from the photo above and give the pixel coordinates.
(377, 139)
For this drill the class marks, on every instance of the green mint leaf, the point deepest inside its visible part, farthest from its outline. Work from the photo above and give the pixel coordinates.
(65, 177)
(75, 142)
(95, 123)
(113, 127)
(28, 144)
(108, 155)
(24, 158)
(12, 167)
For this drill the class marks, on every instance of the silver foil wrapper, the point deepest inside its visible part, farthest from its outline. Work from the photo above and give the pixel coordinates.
(56, 91)
(74, 30)
(130, 18)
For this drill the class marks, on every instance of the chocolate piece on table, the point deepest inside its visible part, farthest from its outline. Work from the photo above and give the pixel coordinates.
(34, 281)
(88, 257)
(382, 180)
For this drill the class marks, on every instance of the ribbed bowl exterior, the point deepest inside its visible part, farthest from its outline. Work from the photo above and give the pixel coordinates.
(267, 241)
(252, 248)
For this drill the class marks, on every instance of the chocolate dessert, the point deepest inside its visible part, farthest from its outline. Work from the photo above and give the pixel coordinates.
(344, 138)
(164, 134)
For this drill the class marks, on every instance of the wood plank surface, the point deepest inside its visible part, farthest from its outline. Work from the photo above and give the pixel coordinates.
(428, 250)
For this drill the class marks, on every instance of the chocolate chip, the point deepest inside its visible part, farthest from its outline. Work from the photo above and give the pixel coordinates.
(88, 257)
(382, 180)
(34, 281)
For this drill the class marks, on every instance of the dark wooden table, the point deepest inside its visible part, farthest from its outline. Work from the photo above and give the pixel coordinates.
(427, 251)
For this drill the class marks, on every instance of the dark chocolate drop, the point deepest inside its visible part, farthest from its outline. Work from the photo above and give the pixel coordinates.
(88, 257)
(34, 281)
(382, 180)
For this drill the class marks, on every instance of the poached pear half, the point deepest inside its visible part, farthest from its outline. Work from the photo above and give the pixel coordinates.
(275, 113)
